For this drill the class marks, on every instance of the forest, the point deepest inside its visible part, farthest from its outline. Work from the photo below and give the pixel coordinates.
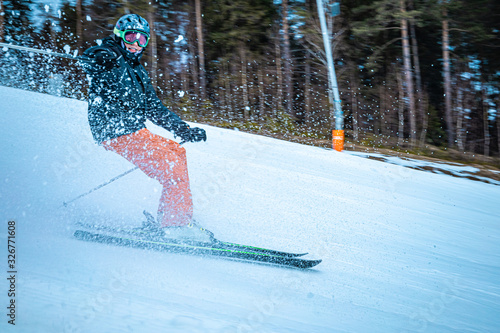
(415, 76)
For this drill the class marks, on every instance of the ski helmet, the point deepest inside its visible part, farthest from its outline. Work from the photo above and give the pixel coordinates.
(133, 23)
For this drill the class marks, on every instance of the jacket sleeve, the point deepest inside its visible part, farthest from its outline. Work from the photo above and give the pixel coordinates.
(159, 114)
(89, 59)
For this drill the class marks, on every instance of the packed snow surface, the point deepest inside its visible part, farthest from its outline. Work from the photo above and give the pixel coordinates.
(403, 250)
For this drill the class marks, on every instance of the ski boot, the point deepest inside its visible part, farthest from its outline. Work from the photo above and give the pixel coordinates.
(192, 232)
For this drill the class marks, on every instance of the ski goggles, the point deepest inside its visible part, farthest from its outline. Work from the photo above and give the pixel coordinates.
(132, 36)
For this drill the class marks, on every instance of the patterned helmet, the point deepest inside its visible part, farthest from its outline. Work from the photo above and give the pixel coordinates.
(132, 22)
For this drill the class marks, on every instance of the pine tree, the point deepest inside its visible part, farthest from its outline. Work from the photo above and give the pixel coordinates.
(388, 25)
(238, 33)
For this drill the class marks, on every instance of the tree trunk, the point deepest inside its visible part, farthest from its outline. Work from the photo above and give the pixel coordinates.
(79, 23)
(221, 91)
(194, 67)
(170, 91)
(486, 127)
(287, 61)
(469, 127)
(425, 119)
(408, 75)
(152, 45)
(421, 112)
(279, 79)
(262, 93)
(229, 96)
(382, 109)
(201, 52)
(354, 107)
(244, 83)
(401, 107)
(460, 115)
(307, 89)
(447, 81)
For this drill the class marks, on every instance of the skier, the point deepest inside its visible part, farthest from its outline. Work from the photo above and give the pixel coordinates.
(121, 99)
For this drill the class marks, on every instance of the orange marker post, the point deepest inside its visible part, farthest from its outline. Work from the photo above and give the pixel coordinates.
(338, 139)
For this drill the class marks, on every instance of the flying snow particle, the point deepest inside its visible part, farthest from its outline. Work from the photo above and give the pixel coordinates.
(47, 8)
(67, 49)
(89, 18)
(181, 93)
(179, 39)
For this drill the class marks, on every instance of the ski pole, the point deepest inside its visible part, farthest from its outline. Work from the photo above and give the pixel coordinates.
(65, 204)
(31, 49)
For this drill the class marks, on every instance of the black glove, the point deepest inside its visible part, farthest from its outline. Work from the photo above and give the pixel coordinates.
(198, 134)
(106, 59)
(191, 134)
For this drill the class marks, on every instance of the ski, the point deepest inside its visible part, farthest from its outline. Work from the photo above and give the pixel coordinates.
(234, 246)
(220, 244)
(193, 248)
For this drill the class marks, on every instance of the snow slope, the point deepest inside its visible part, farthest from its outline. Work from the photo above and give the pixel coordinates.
(403, 250)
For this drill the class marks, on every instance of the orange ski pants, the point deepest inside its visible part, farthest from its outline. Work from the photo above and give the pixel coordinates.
(164, 160)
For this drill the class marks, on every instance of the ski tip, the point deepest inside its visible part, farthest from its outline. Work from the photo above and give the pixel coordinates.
(311, 263)
(80, 234)
(299, 263)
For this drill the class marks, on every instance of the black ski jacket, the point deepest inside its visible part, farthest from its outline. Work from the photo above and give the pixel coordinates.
(122, 98)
